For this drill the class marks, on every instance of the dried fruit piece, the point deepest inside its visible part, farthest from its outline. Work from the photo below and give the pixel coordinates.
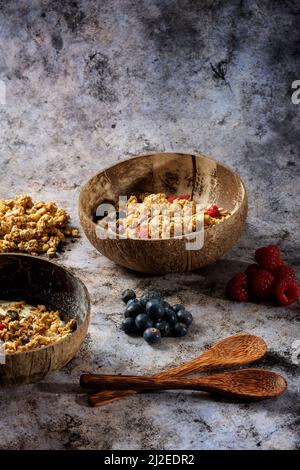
(287, 291)
(261, 285)
(237, 288)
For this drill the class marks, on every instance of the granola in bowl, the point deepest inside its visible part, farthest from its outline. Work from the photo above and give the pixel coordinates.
(160, 216)
(24, 327)
(33, 227)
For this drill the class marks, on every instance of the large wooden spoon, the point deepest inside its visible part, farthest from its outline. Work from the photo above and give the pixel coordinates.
(235, 350)
(247, 384)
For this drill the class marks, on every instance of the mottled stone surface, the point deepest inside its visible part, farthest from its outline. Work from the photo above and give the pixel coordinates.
(89, 82)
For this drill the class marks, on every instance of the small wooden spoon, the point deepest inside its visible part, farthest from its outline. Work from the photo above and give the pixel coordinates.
(248, 384)
(235, 350)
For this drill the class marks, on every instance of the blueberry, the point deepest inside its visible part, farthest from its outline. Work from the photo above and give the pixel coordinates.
(170, 317)
(163, 327)
(133, 301)
(184, 316)
(177, 307)
(165, 304)
(149, 295)
(142, 322)
(127, 295)
(128, 325)
(153, 294)
(180, 329)
(144, 299)
(154, 309)
(152, 335)
(13, 315)
(133, 309)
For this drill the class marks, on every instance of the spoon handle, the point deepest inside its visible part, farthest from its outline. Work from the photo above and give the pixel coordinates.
(250, 384)
(92, 381)
(95, 381)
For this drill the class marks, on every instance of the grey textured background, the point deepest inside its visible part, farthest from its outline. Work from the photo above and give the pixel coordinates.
(90, 82)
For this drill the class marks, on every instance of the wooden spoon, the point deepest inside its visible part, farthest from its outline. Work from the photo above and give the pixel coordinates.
(248, 384)
(235, 350)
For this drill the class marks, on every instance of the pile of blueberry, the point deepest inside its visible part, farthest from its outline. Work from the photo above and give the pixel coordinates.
(153, 317)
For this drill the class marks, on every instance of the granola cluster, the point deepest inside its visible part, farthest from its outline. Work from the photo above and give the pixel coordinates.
(33, 227)
(23, 327)
(162, 216)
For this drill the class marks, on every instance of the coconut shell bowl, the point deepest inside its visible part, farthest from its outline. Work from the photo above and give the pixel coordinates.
(205, 180)
(39, 281)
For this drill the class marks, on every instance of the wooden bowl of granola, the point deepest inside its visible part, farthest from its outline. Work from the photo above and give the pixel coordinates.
(204, 180)
(44, 317)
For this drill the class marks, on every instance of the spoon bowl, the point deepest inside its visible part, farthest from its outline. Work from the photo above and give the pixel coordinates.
(233, 351)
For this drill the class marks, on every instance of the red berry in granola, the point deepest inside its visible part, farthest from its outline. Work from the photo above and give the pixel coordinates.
(237, 288)
(180, 196)
(252, 268)
(213, 211)
(261, 285)
(2, 326)
(268, 257)
(287, 291)
(141, 232)
(284, 272)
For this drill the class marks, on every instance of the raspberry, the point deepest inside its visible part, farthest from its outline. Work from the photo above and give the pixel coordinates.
(2, 326)
(251, 269)
(141, 232)
(284, 272)
(261, 284)
(213, 211)
(180, 196)
(271, 249)
(268, 257)
(287, 291)
(237, 288)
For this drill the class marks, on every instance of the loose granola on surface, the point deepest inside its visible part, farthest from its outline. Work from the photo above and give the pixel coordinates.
(33, 227)
(144, 216)
(24, 327)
